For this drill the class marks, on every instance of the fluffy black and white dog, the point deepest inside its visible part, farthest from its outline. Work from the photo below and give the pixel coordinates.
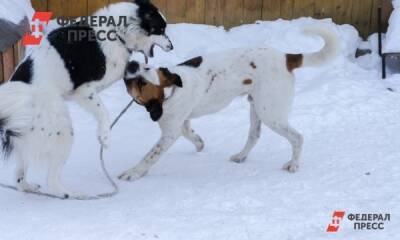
(34, 120)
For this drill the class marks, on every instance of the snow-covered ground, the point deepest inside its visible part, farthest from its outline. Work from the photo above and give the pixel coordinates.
(348, 117)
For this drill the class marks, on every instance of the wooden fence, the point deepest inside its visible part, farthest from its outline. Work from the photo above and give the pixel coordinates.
(360, 13)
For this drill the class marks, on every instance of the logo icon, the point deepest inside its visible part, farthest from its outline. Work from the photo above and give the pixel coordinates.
(40, 20)
(336, 220)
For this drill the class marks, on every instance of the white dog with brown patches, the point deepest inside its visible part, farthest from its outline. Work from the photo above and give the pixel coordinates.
(205, 85)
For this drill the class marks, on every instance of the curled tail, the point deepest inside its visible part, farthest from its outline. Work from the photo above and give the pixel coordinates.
(329, 52)
(16, 113)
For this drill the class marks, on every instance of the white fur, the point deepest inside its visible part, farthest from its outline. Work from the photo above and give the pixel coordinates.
(38, 111)
(219, 79)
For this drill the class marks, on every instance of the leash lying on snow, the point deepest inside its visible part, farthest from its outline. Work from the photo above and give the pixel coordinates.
(103, 167)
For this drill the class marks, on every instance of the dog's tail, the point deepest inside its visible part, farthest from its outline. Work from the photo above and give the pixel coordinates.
(328, 53)
(16, 113)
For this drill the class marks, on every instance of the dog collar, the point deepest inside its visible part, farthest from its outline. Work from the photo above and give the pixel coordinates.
(123, 42)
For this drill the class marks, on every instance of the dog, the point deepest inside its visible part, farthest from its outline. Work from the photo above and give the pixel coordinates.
(207, 84)
(34, 120)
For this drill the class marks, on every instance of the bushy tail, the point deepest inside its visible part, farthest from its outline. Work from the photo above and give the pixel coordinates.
(16, 113)
(329, 52)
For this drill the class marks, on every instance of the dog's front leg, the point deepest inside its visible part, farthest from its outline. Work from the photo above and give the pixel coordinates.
(140, 170)
(88, 98)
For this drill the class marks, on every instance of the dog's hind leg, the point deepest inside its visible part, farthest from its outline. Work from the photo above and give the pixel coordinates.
(190, 135)
(21, 174)
(168, 138)
(254, 134)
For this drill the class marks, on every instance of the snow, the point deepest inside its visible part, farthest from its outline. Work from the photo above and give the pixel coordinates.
(348, 118)
(16, 10)
(392, 43)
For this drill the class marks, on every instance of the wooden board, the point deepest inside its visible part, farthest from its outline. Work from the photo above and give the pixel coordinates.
(303, 8)
(195, 11)
(77, 8)
(287, 9)
(94, 5)
(176, 11)
(233, 13)
(40, 5)
(161, 5)
(271, 9)
(252, 10)
(8, 63)
(214, 14)
(58, 7)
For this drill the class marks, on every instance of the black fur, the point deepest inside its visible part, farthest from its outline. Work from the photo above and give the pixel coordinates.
(6, 136)
(132, 67)
(24, 72)
(154, 107)
(172, 77)
(194, 62)
(83, 58)
(151, 20)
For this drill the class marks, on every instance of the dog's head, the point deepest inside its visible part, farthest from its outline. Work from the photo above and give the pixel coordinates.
(149, 86)
(145, 27)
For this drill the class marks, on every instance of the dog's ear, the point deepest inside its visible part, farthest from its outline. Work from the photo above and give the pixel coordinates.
(155, 109)
(171, 78)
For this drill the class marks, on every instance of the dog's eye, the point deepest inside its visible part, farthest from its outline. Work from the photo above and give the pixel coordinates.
(147, 69)
(152, 30)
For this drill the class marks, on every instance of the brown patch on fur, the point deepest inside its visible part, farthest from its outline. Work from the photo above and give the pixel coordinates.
(293, 61)
(253, 65)
(247, 81)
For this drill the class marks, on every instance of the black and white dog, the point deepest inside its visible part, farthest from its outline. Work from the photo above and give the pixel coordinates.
(205, 85)
(34, 119)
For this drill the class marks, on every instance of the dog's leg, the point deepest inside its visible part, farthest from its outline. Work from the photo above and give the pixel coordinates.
(254, 134)
(21, 174)
(190, 135)
(167, 139)
(295, 139)
(61, 147)
(87, 97)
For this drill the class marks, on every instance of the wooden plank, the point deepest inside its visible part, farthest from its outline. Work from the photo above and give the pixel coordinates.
(303, 8)
(287, 9)
(342, 11)
(40, 5)
(324, 9)
(195, 11)
(77, 8)
(58, 7)
(8, 63)
(1, 68)
(252, 10)
(361, 12)
(176, 10)
(271, 9)
(161, 5)
(214, 12)
(233, 13)
(94, 5)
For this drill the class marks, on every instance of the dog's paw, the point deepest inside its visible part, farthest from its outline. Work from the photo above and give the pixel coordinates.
(199, 145)
(291, 167)
(132, 175)
(28, 187)
(238, 158)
